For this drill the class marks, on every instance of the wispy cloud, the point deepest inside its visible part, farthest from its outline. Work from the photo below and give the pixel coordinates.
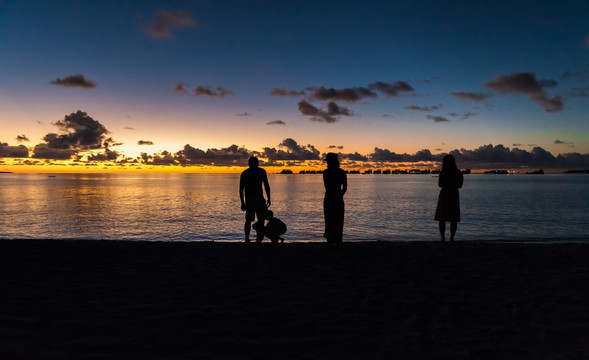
(468, 95)
(349, 95)
(243, 114)
(284, 92)
(165, 21)
(21, 138)
(437, 119)
(329, 116)
(526, 83)
(210, 91)
(144, 142)
(77, 80)
(276, 122)
(393, 89)
(422, 108)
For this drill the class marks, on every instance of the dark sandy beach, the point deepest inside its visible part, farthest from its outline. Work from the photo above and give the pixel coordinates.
(153, 300)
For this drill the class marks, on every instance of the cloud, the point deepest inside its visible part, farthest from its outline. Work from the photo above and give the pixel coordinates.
(77, 80)
(385, 155)
(527, 84)
(284, 92)
(180, 88)
(276, 122)
(393, 89)
(107, 155)
(243, 114)
(230, 156)
(80, 132)
(335, 147)
(144, 142)
(129, 128)
(44, 151)
(209, 91)
(20, 138)
(467, 95)
(165, 21)
(437, 119)
(8, 151)
(489, 156)
(349, 95)
(559, 142)
(577, 92)
(465, 116)
(289, 150)
(422, 108)
(354, 157)
(329, 116)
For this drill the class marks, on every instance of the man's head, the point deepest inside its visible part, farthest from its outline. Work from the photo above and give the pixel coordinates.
(269, 214)
(253, 162)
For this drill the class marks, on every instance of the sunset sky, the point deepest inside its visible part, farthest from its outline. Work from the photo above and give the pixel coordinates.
(202, 85)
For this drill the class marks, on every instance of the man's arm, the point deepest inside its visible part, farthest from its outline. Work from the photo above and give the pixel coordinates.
(241, 188)
(267, 188)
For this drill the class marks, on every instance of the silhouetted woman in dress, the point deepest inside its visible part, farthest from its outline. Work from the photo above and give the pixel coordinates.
(336, 185)
(448, 209)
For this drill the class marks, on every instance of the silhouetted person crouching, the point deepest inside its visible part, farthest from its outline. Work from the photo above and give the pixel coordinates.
(336, 185)
(274, 227)
(253, 203)
(448, 209)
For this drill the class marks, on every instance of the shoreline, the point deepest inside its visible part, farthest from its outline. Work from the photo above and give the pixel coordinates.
(412, 300)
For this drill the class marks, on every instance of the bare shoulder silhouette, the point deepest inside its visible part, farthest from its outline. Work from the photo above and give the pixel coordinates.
(252, 197)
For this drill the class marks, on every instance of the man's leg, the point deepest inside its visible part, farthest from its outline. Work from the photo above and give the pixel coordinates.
(247, 228)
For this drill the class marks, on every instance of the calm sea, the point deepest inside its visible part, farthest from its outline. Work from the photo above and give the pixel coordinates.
(196, 207)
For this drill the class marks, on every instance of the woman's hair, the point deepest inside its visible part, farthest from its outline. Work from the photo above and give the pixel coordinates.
(449, 163)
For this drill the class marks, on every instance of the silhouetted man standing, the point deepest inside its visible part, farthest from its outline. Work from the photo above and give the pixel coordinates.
(254, 204)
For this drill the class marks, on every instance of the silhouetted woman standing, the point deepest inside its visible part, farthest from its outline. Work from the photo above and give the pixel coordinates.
(336, 185)
(448, 208)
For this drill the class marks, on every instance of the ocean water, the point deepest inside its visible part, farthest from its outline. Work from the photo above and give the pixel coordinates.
(204, 207)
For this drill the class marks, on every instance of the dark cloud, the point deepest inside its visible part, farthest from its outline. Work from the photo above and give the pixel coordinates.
(284, 92)
(230, 156)
(144, 142)
(129, 128)
(354, 157)
(388, 116)
(422, 108)
(20, 138)
(77, 80)
(243, 114)
(209, 91)
(349, 95)
(44, 151)
(276, 122)
(165, 21)
(19, 151)
(180, 88)
(489, 157)
(559, 142)
(329, 116)
(385, 155)
(468, 95)
(393, 89)
(80, 132)
(335, 147)
(436, 118)
(289, 150)
(464, 116)
(548, 83)
(107, 155)
(527, 84)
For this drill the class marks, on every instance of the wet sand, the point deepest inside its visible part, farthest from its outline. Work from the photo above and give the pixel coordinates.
(154, 300)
